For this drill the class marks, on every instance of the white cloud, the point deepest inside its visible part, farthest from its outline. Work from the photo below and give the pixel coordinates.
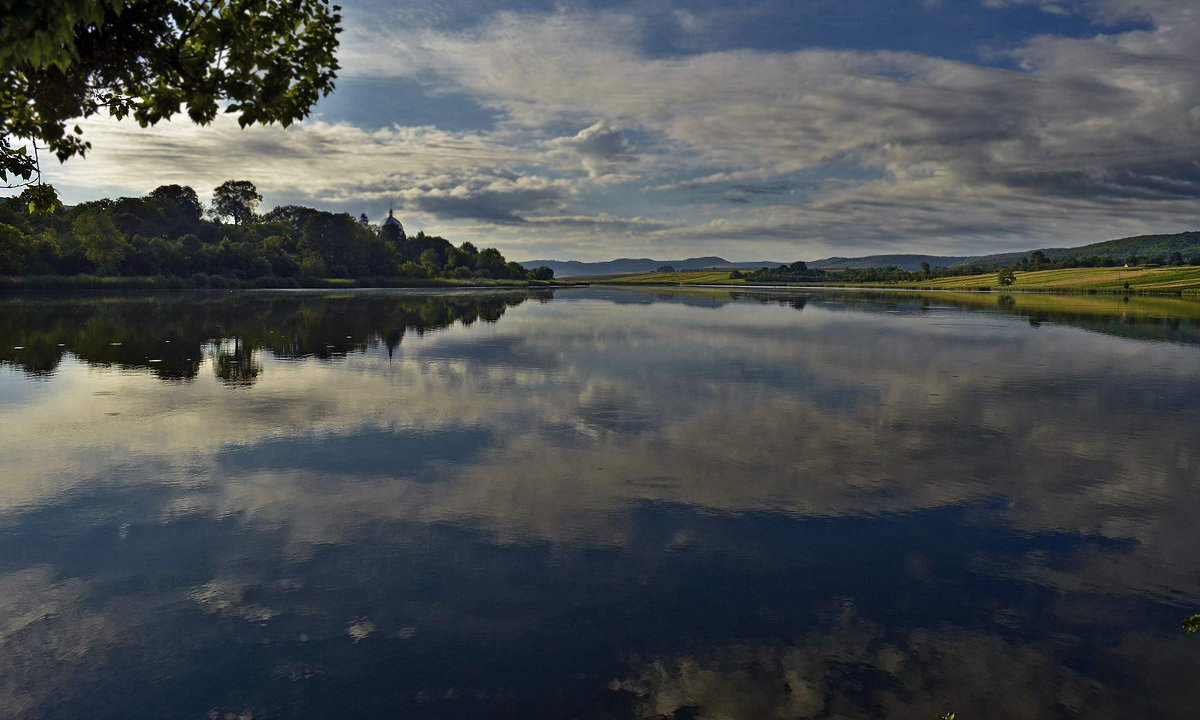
(981, 152)
(603, 149)
(315, 157)
(1053, 7)
(689, 21)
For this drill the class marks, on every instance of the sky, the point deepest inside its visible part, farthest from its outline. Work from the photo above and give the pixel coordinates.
(750, 129)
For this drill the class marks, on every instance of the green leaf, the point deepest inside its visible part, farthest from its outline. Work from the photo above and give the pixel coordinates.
(43, 200)
(250, 52)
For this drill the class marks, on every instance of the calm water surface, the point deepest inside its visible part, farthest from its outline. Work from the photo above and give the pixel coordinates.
(598, 504)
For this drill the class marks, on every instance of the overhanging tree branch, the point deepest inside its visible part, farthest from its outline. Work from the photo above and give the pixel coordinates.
(266, 60)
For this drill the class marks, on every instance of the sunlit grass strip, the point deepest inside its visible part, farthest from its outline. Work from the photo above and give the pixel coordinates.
(1165, 279)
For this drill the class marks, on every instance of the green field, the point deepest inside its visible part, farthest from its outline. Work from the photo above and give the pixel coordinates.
(1166, 280)
(1157, 279)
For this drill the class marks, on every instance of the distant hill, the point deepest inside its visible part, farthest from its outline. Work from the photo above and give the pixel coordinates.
(904, 262)
(1185, 243)
(572, 268)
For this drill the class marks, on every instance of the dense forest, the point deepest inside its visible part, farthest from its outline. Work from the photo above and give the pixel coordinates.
(169, 235)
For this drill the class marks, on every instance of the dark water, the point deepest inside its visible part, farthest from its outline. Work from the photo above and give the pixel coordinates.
(598, 504)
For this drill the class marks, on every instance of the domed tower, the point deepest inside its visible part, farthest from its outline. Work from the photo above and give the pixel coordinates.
(392, 229)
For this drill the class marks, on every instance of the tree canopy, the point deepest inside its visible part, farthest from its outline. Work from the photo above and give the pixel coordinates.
(164, 235)
(266, 60)
(236, 199)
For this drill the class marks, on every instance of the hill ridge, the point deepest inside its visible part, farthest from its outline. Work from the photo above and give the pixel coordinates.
(1186, 243)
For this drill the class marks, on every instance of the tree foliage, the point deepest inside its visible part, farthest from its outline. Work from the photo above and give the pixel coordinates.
(97, 235)
(795, 272)
(266, 60)
(237, 199)
(164, 234)
(181, 199)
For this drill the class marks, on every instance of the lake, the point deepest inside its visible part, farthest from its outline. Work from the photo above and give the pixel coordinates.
(598, 503)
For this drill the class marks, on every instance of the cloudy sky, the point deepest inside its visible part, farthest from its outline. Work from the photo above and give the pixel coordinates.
(750, 129)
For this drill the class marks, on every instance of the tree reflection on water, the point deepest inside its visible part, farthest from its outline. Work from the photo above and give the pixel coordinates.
(171, 335)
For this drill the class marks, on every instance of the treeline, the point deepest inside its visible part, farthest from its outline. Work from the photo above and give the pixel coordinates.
(167, 234)
(1037, 260)
(800, 272)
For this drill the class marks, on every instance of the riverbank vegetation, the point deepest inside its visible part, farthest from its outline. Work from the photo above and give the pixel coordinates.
(164, 239)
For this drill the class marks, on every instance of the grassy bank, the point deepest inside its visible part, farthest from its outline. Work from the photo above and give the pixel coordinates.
(1119, 279)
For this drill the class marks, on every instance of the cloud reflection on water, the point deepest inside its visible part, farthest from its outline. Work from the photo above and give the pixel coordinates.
(752, 409)
(558, 432)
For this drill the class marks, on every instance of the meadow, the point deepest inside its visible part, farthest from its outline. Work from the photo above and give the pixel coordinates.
(1156, 280)
(1115, 279)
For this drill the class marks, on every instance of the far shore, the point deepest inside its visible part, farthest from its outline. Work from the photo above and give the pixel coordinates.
(220, 282)
(1168, 280)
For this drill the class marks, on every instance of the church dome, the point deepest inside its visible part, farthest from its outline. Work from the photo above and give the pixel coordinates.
(391, 220)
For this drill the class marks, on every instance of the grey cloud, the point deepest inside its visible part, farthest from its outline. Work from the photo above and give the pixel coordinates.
(743, 193)
(1153, 10)
(602, 147)
(1081, 107)
(1169, 179)
(488, 208)
(776, 189)
(604, 224)
(967, 153)
(504, 199)
(922, 214)
(601, 141)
